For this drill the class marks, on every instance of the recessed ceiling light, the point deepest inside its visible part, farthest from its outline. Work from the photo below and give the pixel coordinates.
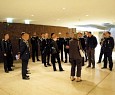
(32, 15)
(59, 33)
(27, 21)
(58, 19)
(63, 8)
(9, 20)
(86, 15)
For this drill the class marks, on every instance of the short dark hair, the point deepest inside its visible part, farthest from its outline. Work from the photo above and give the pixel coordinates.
(109, 32)
(42, 33)
(5, 34)
(52, 34)
(89, 32)
(67, 32)
(23, 33)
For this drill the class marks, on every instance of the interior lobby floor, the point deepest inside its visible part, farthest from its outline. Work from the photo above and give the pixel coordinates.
(44, 81)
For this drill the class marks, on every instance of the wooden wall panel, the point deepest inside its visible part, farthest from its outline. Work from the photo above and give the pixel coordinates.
(15, 29)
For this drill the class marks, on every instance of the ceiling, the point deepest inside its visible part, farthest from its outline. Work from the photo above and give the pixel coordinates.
(68, 13)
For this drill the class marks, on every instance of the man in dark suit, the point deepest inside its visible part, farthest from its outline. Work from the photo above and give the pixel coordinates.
(102, 48)
(55, 53)
(7, 53)
(34, 43)
(0, 44)
(42, 44)
(66, 46)
(108, 45)
(85, 38)
(91, 45)
(83, 46)
(46, 50)
(24, 54)
(60, 43)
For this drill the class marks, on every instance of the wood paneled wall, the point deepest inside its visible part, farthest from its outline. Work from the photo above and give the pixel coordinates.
(15, 29)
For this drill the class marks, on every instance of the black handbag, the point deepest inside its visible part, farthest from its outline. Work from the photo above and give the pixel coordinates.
(53, 50)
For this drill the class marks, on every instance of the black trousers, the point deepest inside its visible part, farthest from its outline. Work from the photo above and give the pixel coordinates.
(91, 57)
(66, 52)
(53, 58)
(61, 51)
(11, 60)
(42, 56)
(85, 54)
(108, 55)
(24, 67)
(82, 61)
(8, 61)
(46, 58)
(76, 63)
(101, 54)
(34, 54)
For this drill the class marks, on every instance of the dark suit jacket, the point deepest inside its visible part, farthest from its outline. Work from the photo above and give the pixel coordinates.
(24, 50)
(66, 43)
(54, 45)
(82, 41)
(91, 42)
(34, 42)
(6, 46)
(108, 44)
(0, 44)
(60, 43)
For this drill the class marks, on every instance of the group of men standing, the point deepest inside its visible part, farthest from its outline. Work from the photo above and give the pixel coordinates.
(51, 47)
(44, 44)
(107, 46)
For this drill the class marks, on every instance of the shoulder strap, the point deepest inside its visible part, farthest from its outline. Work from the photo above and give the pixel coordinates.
(79, 44)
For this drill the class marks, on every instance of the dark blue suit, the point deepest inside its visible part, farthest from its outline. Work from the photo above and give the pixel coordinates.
(108, 45)
(25, 55)
(35, 45)
(8, 59)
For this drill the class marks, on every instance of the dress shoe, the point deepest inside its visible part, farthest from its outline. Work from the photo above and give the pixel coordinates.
(45, 65)
(55, 70)
(7, 71)
(65, 61)
(33, 61)
(110, 69)
(13, 66)
(88, 66)
(48, 64)
(28, 73)
(38, 59)
(61, 70)
(85, 61)
(103, 67)
(11, 70)
(26, 78)
(28, 70)
(98, 62)
(93, 67)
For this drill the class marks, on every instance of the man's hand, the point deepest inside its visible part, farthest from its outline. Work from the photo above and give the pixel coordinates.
(5, 54)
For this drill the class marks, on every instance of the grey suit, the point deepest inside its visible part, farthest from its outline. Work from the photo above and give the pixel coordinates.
(75, 58)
